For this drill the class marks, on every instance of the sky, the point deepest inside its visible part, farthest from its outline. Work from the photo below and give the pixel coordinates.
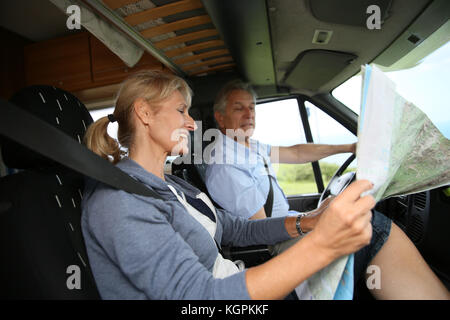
(426, 86)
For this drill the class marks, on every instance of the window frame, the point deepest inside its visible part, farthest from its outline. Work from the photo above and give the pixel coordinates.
(309, 139)
(332, 107)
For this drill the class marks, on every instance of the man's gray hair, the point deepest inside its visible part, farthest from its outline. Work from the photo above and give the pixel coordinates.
(220, 103)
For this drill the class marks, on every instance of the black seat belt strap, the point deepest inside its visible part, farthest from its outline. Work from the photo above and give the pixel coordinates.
(64, 149)
(269, 202)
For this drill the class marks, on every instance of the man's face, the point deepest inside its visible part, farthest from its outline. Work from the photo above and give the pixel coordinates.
(239, 116)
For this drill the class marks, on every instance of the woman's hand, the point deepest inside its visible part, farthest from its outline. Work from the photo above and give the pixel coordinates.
(344, 227)
(312, 217)
(308, 221)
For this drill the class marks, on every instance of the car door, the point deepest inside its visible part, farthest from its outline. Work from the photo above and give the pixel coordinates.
(294, 120)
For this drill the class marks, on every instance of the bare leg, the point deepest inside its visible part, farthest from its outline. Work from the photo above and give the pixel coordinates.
(404, 273)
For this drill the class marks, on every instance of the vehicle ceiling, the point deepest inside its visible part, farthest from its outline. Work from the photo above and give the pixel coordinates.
(293, 27)
(267, 42)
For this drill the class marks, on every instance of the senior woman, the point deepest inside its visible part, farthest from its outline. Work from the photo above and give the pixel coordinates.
(146, 248)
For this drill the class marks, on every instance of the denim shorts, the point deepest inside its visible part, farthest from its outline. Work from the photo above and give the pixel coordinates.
(381, 228)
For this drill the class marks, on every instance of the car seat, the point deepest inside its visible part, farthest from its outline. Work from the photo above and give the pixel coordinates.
(190, 170)
(42, 251)
(194, 173)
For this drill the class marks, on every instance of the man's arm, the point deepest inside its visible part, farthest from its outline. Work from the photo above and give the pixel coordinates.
(304, 153)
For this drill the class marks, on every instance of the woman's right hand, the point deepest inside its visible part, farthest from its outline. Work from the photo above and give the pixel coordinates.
(344, 227)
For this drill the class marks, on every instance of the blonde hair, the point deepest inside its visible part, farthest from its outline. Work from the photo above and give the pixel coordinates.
(152, 86)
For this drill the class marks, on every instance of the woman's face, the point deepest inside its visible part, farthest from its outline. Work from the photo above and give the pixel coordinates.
(169, 126)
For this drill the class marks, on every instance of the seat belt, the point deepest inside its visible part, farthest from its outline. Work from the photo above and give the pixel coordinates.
(269, 201)
(64, 149)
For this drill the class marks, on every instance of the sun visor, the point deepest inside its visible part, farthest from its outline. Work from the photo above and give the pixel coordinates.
(314, 68)
(124, 48)
(348, 12)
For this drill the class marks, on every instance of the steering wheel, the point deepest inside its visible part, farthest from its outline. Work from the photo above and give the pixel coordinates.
(339, 181)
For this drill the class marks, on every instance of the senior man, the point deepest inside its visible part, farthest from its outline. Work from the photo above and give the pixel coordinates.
(242, 185)
(239, 178)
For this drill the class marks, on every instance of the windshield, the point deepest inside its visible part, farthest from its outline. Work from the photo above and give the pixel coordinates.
(425, 85)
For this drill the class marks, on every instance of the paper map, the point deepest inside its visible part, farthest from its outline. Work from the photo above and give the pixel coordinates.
(400, 151)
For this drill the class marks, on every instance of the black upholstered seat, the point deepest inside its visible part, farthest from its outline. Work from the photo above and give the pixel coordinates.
(42, 252)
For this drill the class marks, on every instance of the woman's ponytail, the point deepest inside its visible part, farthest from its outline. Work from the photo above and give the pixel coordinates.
(98, 140)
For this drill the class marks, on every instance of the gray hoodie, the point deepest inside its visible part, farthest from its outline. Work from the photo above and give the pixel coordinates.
(144, 248)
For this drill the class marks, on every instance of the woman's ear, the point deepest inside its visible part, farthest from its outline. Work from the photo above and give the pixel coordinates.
(142, 111)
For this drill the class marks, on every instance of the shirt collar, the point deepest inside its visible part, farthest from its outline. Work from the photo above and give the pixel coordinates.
(160, 186)
(228, 151)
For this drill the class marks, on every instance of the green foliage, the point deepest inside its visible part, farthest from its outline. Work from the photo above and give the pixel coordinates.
(304, 172)
(295, 172)
(328, 170)
(291, 188)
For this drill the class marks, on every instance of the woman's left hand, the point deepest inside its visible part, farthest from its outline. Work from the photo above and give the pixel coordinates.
(308, 221)
(311, 217)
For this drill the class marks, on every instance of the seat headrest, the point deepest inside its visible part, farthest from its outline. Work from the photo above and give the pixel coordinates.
(56, 107)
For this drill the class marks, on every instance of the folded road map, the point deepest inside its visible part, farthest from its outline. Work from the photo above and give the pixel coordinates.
(399, 149)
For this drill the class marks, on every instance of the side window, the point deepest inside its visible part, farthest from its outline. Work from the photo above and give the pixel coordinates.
(326, 130)
(279, 124)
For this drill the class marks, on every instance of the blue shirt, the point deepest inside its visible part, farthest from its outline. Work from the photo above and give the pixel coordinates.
(237, 179)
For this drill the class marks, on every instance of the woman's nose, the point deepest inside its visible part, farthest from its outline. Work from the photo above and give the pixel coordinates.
(190, 124)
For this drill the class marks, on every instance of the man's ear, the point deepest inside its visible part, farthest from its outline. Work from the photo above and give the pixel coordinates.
(142, 110)
(219, 119)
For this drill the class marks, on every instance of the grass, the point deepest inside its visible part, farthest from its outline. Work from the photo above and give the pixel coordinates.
(291, 188)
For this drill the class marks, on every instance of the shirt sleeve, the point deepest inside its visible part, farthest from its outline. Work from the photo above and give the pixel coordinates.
(234, 189)
(240, 232)
(139, 239)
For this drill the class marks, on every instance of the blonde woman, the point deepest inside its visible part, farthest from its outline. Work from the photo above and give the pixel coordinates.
(145, 248)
